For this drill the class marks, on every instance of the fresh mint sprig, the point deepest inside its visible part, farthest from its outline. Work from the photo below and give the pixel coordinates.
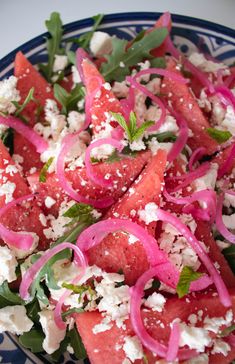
(68, 100)
(132, 131)
(43, 172)
(220, 136)
(187, 276)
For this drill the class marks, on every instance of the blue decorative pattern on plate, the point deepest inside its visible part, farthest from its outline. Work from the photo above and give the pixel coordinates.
(189, 34)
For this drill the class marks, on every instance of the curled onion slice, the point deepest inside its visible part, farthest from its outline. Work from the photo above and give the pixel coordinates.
(187, 178)
(155, 99)
(167, 272)
(162, 72)
(219, 219)
(67, 144)
(226, 95)
(207, 196)
(31, 273)
(181, 140)
(196, 156)
(21, 128)
(173, 346)
(197, 247)
(81, 54)
(89, 169)
(18, 240)
(137, 323)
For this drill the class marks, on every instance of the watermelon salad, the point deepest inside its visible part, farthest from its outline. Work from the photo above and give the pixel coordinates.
(117, 200)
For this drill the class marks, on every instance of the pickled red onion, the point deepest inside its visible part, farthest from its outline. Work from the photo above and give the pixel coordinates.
(67, 144)
(153, 345)
(168, 274)
(162, 72)
(196, 155)
(181, 140)
(219, 219)
(154, 98)
(31, 272)
(197, 247)
(40, 144)
(173, 345)
(89, 169)
(81, 54)
(18, 240)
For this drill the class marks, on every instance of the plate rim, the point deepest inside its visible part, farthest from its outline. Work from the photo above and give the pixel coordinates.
(145, 16)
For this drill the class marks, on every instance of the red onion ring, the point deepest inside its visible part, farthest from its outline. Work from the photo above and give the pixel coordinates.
(67, 144)
(18, 240)
(89, 168)
(21, 128)
(31, 272)
(137, 324)
(173, 346)
(195, 244)
(196, 156)
(227, 165)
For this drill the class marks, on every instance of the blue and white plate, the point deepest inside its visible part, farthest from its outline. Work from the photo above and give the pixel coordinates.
(189, 34)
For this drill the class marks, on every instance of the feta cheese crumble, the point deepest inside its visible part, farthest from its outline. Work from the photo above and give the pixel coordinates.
(8, 264)
(15, 320)
(100, 43)
(54, 336)
(149, 213)
(133, 348)
(8, 93)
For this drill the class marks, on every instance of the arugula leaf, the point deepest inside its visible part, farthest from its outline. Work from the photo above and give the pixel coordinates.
(227, 331)
(43, 172)
(32, 340)
(32, 310)
(72, 310)
(132, 131)
(71, 57)
(68, 100)
(122, 58)
(166, 136)
(84, 39)
(187, 276)
(20, 107)
(229, 254)
(77, 345)
(7, 297)
(8, 140)
(220, 136)
(158, 62)
(55, 28)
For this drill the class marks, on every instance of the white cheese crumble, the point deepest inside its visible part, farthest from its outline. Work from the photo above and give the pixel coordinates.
(7, 189)
(199, 60)
(100, 43)
(195, 337)
(149, 213)
(8, 264)
(54, 336)
(49, 202)
(105, 325)
(15, 320)
(8, 93)
(220, 347)
(155, 301)
(200, 359)
(60, 63)
(214, 324)
(133, 348)
(207, 181)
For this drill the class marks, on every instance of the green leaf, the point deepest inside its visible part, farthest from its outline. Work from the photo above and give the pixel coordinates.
(68, 100)
(140, 131)
(76, 288)
(219, 135)
(32, 340)
(32, 310)
(78, 209)
(84, 39)
(71, 57)
(229, 254)
(158, 62)
(166, 136)
(55, 28)
(72, 310)
(132, 131)
(122, 58)
(20, 107)
(8, 140)
(62, 349)
(187, 276)
(7, 297)
(43, 172)
(227, 331)
(77, 345)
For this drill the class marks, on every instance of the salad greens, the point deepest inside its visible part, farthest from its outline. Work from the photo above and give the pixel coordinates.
(187, 276)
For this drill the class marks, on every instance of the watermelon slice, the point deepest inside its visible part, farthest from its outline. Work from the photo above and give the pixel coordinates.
(124, 172)
(106, 346)
(24, 217)
(29, 77)
(222, 156)
(161, 22)
(116, 252)
(105, 102)
(183, 101)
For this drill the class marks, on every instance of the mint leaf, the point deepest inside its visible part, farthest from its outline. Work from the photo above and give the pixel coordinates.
(55, 28)
(132, 131)
(43, 172)
(76, 288)
(187, 276)
(77, 345)
(166, 136)
(122, 58)
(68, 100)
(219, 135)
(78, 209)
(32, 340)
